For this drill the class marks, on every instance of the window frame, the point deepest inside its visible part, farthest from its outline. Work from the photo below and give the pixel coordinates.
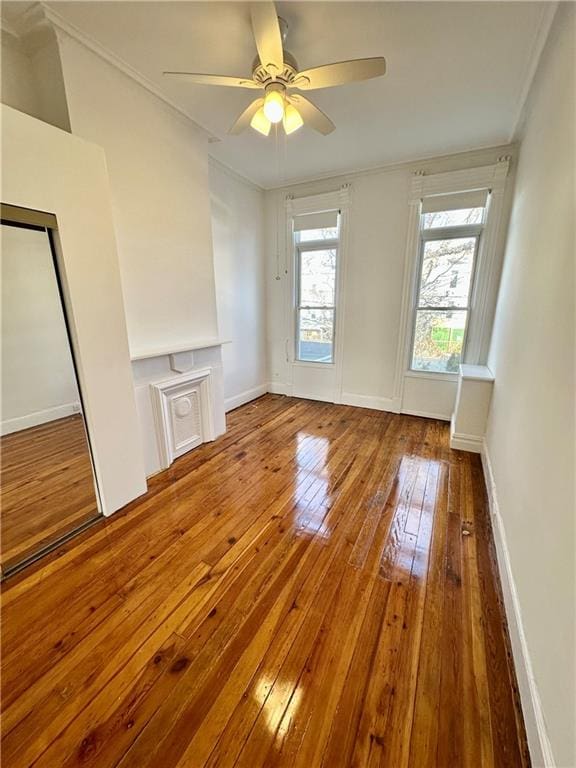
(444, 233)
(413, 388)
(314, 245)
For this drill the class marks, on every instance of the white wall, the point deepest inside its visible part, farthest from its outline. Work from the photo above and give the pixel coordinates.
(18, 82)
(47, 169)
(32, 76)
(38, 379)
(238, 236)
(531, 434)
(158, 166)
(375, 260)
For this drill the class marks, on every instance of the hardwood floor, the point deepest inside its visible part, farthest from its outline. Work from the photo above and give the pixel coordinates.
(46, 486)
(315, 588)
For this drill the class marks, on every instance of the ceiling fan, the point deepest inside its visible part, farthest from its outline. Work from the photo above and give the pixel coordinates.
(275, 72)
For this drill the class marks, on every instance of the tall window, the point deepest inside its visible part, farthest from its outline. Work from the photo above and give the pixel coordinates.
(316, 241)
(450, 231)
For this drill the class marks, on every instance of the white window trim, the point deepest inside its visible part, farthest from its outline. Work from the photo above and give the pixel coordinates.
(330, 201)
(493, 178)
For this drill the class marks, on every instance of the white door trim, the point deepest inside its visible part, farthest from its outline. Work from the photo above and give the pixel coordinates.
(336, 200)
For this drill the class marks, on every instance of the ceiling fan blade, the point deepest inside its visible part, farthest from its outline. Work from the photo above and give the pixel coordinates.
(340, 73)
(267, 35)
(244, 120)
(201, 79)
(311, 115)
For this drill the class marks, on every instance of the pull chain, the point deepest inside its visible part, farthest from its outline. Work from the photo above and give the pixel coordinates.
(279, 175)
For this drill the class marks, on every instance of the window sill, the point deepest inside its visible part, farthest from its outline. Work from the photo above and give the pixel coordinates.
(434, 376)
(312, 364)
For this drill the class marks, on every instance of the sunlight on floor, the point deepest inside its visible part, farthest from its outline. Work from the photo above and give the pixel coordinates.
(279, 700)
(312, 484)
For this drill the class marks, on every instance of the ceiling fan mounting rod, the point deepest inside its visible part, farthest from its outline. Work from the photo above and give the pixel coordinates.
(284, 26)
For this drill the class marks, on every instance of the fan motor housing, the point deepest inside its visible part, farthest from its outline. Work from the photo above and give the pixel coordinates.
(289, 70)
(285, 76)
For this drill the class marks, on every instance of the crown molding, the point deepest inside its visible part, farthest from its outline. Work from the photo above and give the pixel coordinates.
(30, 28)
(424, 165)
(219, 165)
(548, 12)
(61, 24)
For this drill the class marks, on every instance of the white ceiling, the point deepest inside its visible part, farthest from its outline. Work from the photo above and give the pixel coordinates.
(457, 74)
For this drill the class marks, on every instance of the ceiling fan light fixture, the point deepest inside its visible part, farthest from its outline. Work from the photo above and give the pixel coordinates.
(274, 104)
(275, 72)
(261, 123)
(292, 119)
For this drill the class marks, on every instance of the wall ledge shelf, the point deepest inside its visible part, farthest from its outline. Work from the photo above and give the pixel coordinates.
(173, 349)
(476, 372)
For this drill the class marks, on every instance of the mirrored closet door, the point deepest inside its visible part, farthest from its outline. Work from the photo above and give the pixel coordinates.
(47, 487)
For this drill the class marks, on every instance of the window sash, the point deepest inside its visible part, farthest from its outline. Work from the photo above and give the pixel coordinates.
(464, 339)
(314, 245)
(447, 233)
(302, 248)
(456, 232)
(298, 340)
(448, 308)
(317, 245)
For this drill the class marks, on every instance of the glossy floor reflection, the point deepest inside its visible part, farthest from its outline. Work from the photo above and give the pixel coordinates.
(46, 487)
(298, 593)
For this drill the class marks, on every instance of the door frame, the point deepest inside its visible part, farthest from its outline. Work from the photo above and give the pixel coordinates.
(338, 200)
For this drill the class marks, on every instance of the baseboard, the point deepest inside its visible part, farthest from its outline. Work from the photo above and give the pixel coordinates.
(389, 404)
(538, 741)
(39, 417)
(279, 388)
(347, 398)
(244, 397)
(426, 415)
(460, 441)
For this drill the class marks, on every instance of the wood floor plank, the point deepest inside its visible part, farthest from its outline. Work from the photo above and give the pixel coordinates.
(46, 486)
(299, 593)
(424, 731)
(450, 745)
(476, 698)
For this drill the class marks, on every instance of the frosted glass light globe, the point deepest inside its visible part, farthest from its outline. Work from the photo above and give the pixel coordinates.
(274, 106)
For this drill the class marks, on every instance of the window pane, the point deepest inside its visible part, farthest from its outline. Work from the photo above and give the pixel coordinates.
(328, 233)
(438, 340)
(446, 272)
(315, 335)
(317, 278)
(452, 218)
